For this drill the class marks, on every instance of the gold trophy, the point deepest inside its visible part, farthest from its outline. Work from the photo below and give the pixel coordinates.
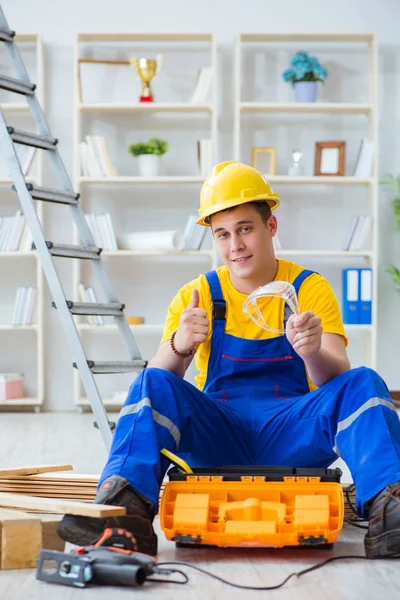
(147, 69)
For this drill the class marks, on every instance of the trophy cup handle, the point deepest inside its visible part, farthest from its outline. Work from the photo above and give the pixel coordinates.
(159, 61)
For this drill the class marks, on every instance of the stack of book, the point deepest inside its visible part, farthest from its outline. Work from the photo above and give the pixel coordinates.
(25, 306)
(102, 230)
(95, 159)
(357, 232)
(14, 233)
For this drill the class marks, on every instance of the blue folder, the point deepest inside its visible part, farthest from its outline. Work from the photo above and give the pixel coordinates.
(351, 296)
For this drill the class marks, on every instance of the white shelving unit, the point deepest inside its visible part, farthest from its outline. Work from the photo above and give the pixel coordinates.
(177, 111)
(16, 112)
(278, 45)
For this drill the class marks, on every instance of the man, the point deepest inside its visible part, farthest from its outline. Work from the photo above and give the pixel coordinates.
(260, 399)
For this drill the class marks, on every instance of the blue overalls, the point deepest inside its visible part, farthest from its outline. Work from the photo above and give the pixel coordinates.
(256, 409)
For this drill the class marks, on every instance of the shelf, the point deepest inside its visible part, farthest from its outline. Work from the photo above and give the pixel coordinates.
(22, 402)
(320, 180)
(18, 254)
(145, 37)
(19, 328)
(169, 254)
(306, 108)
(146, 107)
(15, 107)
(106, 401)
(111, 328)
(9, 181)
(307, 37)
(162, 180)
(326, 253)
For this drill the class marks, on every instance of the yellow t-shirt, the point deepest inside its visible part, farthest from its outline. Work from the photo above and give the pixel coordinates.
(315, 294)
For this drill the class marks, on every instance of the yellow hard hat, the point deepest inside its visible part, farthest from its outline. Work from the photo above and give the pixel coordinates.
(230, 184)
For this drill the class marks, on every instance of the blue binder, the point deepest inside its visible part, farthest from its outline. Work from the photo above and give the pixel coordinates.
(351, 296)
(365, 309)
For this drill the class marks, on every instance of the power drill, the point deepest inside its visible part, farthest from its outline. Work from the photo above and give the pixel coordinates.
(111, 560)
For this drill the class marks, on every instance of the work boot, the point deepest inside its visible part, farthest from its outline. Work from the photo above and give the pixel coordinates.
(114, 490)
(383, 537)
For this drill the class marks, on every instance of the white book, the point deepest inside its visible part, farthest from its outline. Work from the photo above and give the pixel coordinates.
(19, 232)
(83, 297)
(202, 75)
(188, 231)
(28, 305)
(10, 245)
(8, 223)
(353, 242)
(14, 320)
(205, 154)
(26, 240)
(350, 233)
(91, 294)
(94, 139)
(94, 228)
(93, 166)
(83, 149)
(365, 159)
(111, 231)
(110, 167)
(363, 232)
(102, 225)
(28, 159)
(21, 305)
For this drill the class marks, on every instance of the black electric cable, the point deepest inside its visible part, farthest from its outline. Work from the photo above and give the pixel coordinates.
(279, 585)
(169, 572)
(354, 522)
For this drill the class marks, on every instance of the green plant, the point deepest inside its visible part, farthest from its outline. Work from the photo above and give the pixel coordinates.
(154, 146)
(393, 183)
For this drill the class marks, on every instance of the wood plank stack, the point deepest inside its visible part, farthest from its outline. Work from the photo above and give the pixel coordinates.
(46, 492)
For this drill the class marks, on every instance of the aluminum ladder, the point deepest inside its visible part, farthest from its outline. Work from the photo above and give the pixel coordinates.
(27, 193)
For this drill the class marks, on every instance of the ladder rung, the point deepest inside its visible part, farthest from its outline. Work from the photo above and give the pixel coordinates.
(6, 35)
(67, 251)
(110, 309)
(50, 195)
(46, 142)
(104, 367)
(16, 85)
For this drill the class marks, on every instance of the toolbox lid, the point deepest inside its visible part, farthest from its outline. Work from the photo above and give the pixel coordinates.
(270, 473)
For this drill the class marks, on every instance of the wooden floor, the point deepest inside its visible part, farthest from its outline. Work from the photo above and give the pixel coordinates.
(49, 438)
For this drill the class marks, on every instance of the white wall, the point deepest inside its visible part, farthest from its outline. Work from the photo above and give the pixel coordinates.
(58, 23)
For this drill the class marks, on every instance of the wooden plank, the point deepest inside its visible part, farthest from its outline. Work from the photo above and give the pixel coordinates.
(61, 507)
(21, 539)
(5, 473)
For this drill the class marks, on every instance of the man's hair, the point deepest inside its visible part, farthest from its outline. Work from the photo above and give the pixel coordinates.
(262, 207)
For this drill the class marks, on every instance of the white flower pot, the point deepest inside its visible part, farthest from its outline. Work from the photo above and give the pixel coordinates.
(149, 165)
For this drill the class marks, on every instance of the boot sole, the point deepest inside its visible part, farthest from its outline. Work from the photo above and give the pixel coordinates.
(83, 531)
(385, 544)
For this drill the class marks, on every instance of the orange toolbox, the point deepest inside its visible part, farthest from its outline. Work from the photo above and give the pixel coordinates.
(252, 506)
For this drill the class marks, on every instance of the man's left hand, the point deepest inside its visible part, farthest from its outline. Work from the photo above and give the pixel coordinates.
(304, 332)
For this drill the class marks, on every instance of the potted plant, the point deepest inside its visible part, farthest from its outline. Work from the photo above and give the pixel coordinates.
(304, 74)
(393, 183)
(149, 156)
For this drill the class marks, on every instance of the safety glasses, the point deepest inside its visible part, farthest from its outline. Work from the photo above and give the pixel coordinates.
(274, 289)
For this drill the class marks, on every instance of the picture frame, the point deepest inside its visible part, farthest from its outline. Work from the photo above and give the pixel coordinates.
(329, 158)
(264, 160)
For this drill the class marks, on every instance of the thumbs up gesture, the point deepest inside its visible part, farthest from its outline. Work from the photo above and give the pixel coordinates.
(193, 326)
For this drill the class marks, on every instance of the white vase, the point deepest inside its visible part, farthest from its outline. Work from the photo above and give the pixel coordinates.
(149, 165)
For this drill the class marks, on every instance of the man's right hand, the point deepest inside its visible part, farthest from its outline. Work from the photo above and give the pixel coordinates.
(193, 326)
